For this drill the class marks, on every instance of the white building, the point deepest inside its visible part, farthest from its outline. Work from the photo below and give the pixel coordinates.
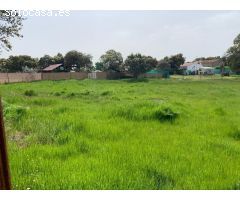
(191, 67)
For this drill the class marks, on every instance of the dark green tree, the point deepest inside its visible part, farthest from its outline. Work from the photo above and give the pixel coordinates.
(138, 64)
(175, 61)
(99, 66)
(233, 54)
(163, 65)
(58, 59)
(78, 61)
(45, 61)
(112, 60)
(20, 63)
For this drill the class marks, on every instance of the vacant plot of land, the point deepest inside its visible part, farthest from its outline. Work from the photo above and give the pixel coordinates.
(156, 134)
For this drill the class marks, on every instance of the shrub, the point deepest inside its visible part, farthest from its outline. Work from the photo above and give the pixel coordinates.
(236, 134)
(13, 112)
(166, 114)
(30, 93)
(57, 94)
(71, 95)
(105, 93)
(148, 111)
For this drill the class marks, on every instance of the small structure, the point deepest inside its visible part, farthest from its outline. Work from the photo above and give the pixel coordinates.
(54, 68)
(191, 68)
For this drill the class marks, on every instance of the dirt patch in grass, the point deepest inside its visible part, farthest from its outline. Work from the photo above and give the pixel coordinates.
(19, 139)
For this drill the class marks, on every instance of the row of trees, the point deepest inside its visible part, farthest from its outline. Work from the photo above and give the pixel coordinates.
(137, 63)
(72, 60)
(77, 61)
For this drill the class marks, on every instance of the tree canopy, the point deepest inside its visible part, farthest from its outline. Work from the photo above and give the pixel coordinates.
(45, 61)
(18, 64)
(138, 64)
(163, 65)
(10, 26)
(233, 54)
(77, 60)
(112, 60)
(175, 61)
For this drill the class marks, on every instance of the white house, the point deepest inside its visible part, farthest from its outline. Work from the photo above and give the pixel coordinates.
(191, 67)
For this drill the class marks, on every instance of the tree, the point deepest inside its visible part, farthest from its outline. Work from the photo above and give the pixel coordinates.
(77, 60)
(138, 64)
(175, 61)
(233, 54)
(10, 26)
(163, 65)
(3, 64)
(99, 66)
(208, 58)
(20, 63)
(45, 61)
(112, 60)
(58, 59)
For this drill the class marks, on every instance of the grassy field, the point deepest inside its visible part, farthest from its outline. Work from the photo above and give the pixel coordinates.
(102, 134)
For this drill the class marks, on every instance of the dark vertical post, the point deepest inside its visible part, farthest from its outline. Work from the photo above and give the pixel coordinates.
(5, 183)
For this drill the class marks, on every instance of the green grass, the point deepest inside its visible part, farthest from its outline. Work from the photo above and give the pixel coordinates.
(102, 134)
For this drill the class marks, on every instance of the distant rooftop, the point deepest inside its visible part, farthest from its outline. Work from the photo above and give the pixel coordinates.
(52, 67)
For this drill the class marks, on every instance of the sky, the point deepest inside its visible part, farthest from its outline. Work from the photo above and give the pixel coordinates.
(154, 33)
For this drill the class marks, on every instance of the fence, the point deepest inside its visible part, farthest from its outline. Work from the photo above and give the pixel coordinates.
(29, 77)
(64, 75)
(106, 75)
(19, 77)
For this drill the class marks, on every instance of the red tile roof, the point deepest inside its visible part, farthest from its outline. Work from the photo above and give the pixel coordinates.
(52, 67)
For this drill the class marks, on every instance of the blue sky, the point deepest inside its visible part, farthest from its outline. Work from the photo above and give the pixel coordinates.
(155, 33)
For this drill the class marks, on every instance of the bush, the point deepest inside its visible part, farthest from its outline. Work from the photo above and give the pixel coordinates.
(166, 114)
(105, 93)
(148, 111)
(236, 134)
(30, 93)
(13, 112)
(57, 94)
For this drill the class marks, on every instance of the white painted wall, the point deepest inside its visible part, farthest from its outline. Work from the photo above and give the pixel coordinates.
(194, 67)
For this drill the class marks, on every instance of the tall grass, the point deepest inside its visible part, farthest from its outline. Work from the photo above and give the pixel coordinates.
(102, 134)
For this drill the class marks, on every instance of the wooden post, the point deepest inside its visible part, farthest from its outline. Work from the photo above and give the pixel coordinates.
(5, 183)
